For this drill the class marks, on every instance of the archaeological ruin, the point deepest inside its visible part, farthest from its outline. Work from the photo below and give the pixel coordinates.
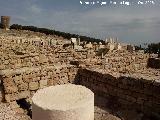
(125, 82)
(5, 21)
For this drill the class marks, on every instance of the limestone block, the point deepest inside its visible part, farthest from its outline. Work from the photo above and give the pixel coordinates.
(26, 78)
(19, 110)
(50, 82)
(33, 75)
(50, 73)
(71, 78)
(10, 89)
(36, 79)
(14, 105)
(33, 85)
(44, 77)
(63, 102)
(17, 65)
(43, 83)
(64, 80)
(23, 86)
(8, 82)
(42, 58)
(23, 94)
(18, 79)
(6, 62)
(59, 82)
(2, 66)
(11, 97)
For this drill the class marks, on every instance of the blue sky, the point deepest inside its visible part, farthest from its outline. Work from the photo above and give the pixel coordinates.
(135, 24)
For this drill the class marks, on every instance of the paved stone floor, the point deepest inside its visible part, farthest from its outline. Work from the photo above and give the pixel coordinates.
(6, 113)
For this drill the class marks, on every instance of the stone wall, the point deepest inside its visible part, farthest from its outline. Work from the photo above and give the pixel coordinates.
(24, 82)
(124, 61)
(135, 92)
(25, 68)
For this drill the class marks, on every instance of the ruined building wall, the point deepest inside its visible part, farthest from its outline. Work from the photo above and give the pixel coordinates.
(25, 68)
(124, 61)
(129, 91)
(24, 82)
(5, 20)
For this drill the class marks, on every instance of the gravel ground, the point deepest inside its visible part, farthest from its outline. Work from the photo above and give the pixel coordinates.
(109, 110)
(6, 113)
(102, 112)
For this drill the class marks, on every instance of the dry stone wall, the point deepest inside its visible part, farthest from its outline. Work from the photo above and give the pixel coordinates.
(24, 82)
(25, 68)
(134, 92)
(124, 61)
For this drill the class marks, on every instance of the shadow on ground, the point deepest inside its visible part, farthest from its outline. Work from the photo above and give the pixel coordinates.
(111, 110)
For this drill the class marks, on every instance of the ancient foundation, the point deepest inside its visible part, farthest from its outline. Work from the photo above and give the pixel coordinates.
(132, 91)
(63, 102)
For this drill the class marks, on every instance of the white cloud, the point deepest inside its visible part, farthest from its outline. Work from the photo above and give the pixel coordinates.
(129, 24)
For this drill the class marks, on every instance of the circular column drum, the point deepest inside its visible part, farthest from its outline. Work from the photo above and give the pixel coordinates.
(63, 102)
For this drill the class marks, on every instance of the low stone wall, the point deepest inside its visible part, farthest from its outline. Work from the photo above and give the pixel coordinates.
(124, 61)
(24, 82)
(137, 93)
(154, 63)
